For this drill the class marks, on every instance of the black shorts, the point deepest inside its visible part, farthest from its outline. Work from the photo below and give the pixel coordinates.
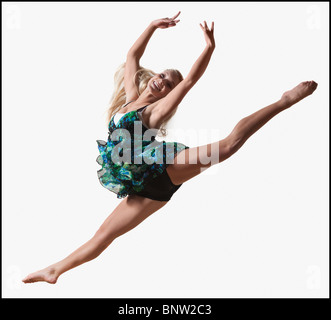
(160, 188)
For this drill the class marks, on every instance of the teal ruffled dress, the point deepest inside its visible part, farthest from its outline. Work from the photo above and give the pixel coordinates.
(145, 161)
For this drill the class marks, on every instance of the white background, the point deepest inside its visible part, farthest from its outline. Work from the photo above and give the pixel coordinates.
(255, 225)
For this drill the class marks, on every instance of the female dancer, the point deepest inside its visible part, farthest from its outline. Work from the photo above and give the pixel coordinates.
(151, 100)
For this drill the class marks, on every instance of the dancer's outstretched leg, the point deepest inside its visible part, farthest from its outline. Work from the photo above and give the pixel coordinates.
(189, 163)
(128, 214)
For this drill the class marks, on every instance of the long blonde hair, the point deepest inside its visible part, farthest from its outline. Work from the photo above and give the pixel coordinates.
(140, 80)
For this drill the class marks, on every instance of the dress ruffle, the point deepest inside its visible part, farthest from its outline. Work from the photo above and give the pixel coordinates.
(125, 178)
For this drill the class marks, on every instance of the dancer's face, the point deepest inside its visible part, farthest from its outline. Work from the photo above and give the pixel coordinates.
(162, 83)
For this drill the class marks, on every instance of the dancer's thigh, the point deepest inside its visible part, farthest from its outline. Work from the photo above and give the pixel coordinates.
(190, 162)
(131, 211)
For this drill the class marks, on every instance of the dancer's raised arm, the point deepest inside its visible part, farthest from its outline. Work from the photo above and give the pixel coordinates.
(200, 66)
(138, 49)
(170, 102)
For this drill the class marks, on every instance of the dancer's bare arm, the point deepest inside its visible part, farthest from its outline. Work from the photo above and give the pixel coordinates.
(169, 103)
(137, 50)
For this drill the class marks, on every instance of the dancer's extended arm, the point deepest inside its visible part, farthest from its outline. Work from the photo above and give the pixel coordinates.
(200, 66)
(136, 52)
(167, 105)
(138, 48)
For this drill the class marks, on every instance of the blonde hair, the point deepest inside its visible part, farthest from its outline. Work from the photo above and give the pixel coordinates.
(140, 80)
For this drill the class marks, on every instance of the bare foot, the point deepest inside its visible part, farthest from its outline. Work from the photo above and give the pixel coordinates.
(299, 92)
(48, 275)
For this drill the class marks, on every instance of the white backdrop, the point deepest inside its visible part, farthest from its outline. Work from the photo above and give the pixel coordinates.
(255, 225)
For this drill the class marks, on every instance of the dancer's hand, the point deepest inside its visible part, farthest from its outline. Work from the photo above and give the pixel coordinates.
(209, 34)
(166, 22)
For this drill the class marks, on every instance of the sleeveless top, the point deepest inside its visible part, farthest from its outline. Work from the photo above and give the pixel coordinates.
(132, 157)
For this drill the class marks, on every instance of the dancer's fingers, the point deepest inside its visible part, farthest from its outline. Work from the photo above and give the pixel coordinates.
(175, 16)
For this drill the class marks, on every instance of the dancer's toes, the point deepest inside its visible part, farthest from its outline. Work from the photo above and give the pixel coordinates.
(313, 85)
(310, 88)
(46, 275)
(299, 92)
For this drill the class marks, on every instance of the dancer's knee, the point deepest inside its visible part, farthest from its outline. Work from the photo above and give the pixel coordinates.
(228, 146)
(104, 237)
